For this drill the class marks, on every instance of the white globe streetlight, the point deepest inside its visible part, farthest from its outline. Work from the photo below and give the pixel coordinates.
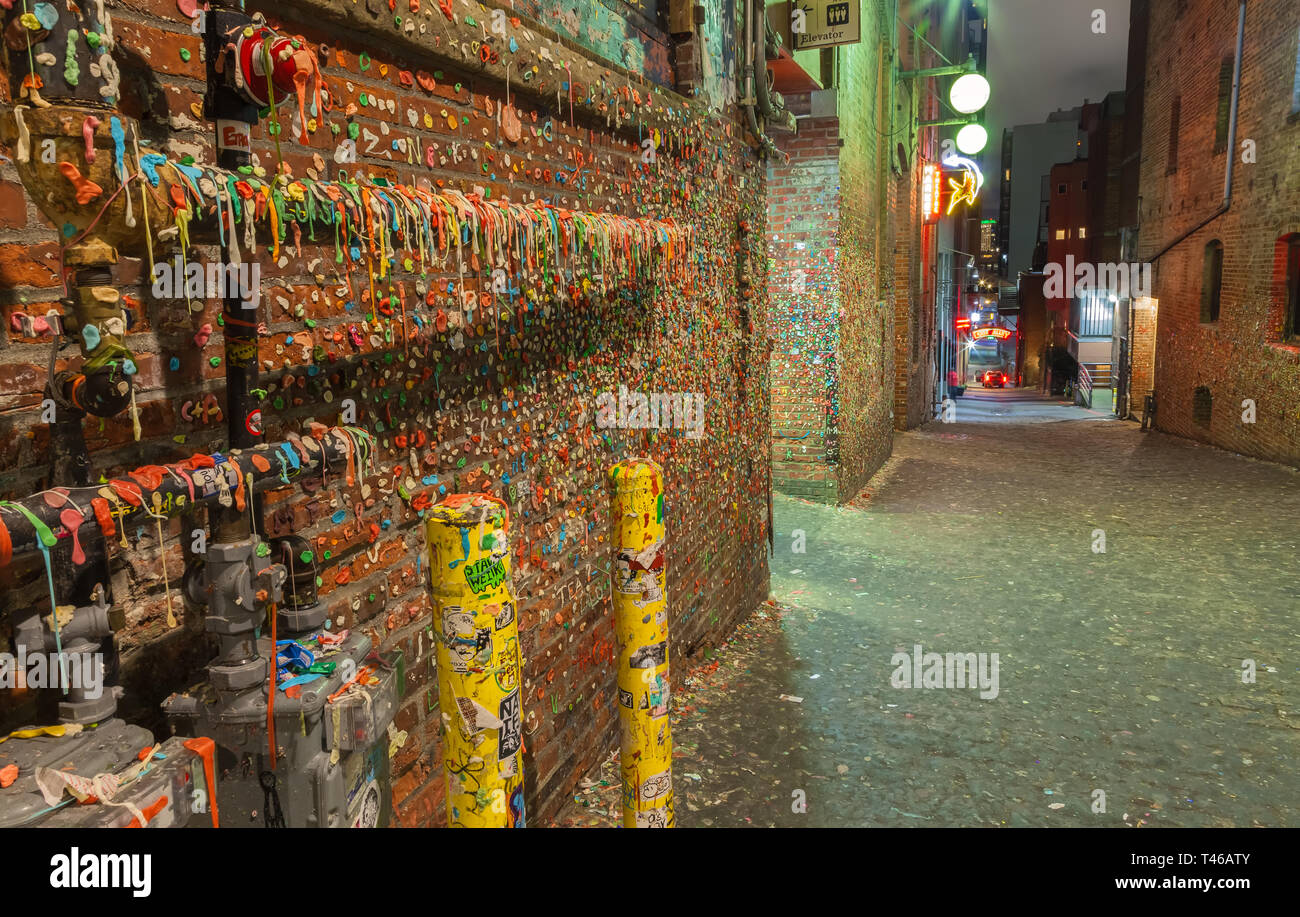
(972, 138)
(969, 93)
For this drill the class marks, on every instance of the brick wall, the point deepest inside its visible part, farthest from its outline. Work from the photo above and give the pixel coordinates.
(913, 307)
(1242, 356)
(507, 404)
(866, 281)
(840, 385)
(1143, 334)
(803, 224)
(914, 245)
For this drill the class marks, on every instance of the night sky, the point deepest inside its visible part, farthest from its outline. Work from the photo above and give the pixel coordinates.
(1043, 55)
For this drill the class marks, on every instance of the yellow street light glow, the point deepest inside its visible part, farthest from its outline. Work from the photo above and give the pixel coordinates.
(969, 93)
(972, 138)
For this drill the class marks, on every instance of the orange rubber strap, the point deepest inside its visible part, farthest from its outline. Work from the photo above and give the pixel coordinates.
(205, 748)
(148, 813)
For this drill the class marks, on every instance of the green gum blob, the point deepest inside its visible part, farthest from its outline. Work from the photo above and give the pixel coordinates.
(71, 71)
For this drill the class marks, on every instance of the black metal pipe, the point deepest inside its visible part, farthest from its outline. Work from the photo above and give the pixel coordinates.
(233, 115)
(69, 458)
(181, 485)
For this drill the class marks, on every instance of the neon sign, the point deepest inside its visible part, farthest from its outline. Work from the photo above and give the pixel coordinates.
(972, 181)
(931, 191)
(1000, 333)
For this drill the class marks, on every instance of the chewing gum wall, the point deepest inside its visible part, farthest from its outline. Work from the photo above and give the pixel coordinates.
(473, 366)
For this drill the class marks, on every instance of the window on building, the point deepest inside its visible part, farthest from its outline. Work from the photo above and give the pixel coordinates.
(1060, 189)
(1225, 105)
(1091, 315)
(1060, 234)
(1083, 185)
(1211, 281)
(1291, 318)
(1175, 111)
(1083, 232)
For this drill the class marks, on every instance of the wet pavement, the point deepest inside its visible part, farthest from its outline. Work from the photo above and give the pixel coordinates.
(1119, 672)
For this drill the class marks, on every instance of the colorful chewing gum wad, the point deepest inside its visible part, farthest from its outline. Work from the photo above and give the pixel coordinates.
(478, 661)
(641, 622)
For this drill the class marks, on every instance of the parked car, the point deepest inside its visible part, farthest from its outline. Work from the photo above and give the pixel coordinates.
(994, 378)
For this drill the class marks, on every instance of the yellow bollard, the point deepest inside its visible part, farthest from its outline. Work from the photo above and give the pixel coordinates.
(641, 622)
(478, 661)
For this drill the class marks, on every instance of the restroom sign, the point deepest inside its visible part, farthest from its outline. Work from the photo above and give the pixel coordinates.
(827, 23)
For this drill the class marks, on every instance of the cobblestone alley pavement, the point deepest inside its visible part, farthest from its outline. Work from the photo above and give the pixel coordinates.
(1118, 671)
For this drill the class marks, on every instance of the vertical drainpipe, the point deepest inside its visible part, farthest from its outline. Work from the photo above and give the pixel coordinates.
(1232, 115)
(233, 116)
(749, 103)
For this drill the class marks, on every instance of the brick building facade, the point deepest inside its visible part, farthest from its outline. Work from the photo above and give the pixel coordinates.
(498, 399)
(1222, 285)
(854, 267)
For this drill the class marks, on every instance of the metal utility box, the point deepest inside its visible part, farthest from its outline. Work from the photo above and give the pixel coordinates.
(175, 792)
(332, 769)
(109, 747)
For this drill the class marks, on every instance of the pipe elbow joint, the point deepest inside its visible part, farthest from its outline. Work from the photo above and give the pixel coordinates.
(104, 391)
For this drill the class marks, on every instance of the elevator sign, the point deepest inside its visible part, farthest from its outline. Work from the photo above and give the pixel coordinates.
(824, 23)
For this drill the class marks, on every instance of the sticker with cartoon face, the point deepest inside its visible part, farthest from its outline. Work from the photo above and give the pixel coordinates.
(657, 787)
(463, 639)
